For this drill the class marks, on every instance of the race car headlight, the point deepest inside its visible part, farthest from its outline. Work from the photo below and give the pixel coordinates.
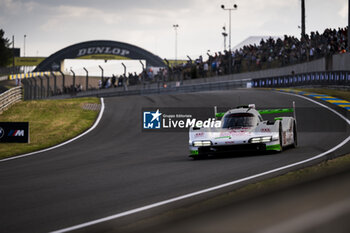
(202, 143)
(260, 139)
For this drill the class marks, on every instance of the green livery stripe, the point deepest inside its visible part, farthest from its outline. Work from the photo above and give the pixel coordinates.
(264, 111)
(272, 111)
(273, 147)
(220, 114)
(277, 118)
(223, 137)
(194, 152)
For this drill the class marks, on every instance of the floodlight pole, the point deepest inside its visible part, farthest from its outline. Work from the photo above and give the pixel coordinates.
(302, 18)
(349, 26)
(229, 16)
(229, 32)
(176, 26)
(24, 45)
(13, 55)
(24, 49)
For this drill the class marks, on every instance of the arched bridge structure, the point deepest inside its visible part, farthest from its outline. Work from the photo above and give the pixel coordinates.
(99, 49)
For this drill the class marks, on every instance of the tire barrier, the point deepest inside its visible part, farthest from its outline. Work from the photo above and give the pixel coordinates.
(329, 78)
(10, 97)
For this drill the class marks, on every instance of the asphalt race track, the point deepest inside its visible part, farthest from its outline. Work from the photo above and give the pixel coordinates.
(117, 167)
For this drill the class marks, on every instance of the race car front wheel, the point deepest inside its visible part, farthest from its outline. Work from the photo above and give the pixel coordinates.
(199, 156)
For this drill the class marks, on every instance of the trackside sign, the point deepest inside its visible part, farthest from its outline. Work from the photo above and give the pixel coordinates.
(16, 132)
(102, 50)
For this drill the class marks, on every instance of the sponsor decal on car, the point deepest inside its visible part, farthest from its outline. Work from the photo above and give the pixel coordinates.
(229, 142)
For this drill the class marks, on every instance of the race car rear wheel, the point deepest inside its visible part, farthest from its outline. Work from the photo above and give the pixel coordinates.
(295, 136)
(280, 137)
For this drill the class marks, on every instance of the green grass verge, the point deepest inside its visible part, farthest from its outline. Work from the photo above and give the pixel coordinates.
(50, 122)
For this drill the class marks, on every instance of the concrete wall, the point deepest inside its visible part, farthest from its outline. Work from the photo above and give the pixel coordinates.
(338, 62)
(341, 62)
(316, 65)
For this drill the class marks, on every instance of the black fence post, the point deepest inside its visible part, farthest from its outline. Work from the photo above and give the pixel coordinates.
(41, 87)
(73, 80)
(87, 79)
(54, 83)
(142, 74)
(63, 81)
(35, 88)
(47, 85)
(101, 74)
(25, 87)
(125, 78)
(30, 89)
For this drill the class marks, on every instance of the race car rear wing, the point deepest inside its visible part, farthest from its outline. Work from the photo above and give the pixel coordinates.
(264, 111)
(274, 111)
(282, 110)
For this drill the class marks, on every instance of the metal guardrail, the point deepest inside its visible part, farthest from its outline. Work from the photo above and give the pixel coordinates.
(10, 97)
(223, 85)
(34, 89)
(329, 78)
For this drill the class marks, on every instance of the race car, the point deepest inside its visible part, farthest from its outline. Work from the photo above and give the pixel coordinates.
(243, 129)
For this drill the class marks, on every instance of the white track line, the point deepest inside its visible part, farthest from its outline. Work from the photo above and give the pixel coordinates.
(147, 207)
(63, 143)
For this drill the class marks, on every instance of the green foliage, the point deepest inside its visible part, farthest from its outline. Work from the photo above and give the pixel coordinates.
(5, 52)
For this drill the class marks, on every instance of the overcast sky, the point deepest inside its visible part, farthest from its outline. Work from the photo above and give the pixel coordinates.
(51, 25)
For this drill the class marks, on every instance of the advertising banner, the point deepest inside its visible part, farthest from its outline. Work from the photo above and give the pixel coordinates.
(17, 132)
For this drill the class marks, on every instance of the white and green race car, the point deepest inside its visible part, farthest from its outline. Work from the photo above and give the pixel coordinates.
(243, 129)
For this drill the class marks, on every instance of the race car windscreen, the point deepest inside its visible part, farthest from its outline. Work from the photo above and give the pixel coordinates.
(238, 120)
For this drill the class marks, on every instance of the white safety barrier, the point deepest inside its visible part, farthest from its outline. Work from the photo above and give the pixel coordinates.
(3, 78)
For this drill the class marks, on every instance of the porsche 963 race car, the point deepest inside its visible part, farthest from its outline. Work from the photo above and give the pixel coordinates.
(243, 129)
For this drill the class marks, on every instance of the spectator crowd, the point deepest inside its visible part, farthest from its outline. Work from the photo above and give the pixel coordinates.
(270, 53)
